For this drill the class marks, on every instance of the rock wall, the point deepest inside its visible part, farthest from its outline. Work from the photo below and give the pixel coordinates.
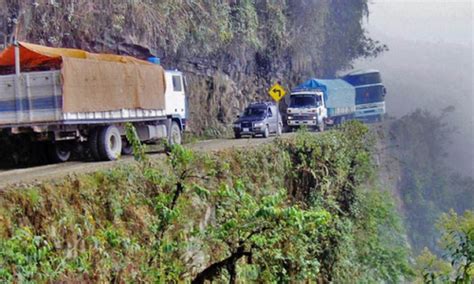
(231, 50)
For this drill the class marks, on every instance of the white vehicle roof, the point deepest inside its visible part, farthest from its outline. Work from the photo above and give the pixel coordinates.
(362, 71)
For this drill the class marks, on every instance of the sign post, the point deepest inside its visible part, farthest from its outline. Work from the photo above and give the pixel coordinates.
(277, 92)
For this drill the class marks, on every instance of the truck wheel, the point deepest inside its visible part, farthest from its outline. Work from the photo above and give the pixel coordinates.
(127, 148)
(266, 134)
(94, 144)
(110, 143)
(59, 153)
(175, 137)
(237, 135)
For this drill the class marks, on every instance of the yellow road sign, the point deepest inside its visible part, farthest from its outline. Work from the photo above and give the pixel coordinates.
(277, 92)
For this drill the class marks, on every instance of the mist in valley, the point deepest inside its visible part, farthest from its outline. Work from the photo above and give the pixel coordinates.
(428, 73)
(429, 66)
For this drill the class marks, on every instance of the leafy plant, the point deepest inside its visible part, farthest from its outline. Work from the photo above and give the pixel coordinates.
(457, 244)
(30, 256)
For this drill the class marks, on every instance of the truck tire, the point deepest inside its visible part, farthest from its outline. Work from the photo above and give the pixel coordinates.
(109, 143)
(94, 144)
(266, 133)
(237, 135)
(127, 148)
(58, 153)
(175, 134)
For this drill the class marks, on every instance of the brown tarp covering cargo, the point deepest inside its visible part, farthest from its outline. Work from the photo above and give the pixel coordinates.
(95, 82)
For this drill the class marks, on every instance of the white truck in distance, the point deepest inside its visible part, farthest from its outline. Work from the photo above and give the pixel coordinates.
(306, 108)
(320, 102)
(65, 97)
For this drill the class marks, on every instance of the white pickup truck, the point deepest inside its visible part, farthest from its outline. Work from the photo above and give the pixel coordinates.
(66, 97)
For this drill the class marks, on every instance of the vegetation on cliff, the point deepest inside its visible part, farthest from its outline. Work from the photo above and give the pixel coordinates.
(298, 209)
(457, 242)
(433, 195)
(429, 186)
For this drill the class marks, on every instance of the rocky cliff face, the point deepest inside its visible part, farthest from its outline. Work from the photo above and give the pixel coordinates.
(231, 50)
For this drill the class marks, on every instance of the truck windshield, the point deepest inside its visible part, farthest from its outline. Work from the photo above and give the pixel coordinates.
(370, 94)
(305, 101)
(254, 112)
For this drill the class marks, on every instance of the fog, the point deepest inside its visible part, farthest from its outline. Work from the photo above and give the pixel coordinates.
(429, 64)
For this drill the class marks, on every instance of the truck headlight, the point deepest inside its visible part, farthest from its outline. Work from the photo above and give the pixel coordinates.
(290, 117)
(315, 117)
(258, 124)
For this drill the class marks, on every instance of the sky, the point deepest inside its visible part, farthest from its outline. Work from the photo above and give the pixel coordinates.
(434, 21)
(429, 64)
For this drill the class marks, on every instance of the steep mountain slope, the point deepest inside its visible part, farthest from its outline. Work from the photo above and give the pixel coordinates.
(230, 50)
(295, 210)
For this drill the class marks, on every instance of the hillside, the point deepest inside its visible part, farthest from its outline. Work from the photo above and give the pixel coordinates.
(231, 51)
(294, 210)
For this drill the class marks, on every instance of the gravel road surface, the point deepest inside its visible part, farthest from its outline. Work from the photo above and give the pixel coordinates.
(58, 171)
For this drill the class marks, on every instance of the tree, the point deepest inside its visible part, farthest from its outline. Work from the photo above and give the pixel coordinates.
(457, 244)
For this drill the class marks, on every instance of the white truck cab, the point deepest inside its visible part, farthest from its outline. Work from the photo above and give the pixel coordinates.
(306, 108)
(175, 94)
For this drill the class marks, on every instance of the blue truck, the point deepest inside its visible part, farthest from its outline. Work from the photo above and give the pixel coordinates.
(317, 103)
(370, 94)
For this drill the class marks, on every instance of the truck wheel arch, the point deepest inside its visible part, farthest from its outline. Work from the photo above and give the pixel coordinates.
(178, 120)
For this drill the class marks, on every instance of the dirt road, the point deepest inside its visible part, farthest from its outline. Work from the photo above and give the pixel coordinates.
(58, 171)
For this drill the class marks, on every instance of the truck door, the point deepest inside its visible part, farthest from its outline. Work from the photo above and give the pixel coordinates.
(322, 110)
(175, 94)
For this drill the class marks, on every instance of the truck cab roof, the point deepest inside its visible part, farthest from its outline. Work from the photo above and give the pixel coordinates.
(174, 72)
(306, 91)
(362, 72)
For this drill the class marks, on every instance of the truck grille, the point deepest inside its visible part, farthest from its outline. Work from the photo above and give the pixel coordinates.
(303, 117)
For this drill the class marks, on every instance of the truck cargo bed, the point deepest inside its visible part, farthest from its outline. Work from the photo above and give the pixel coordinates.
(39, 98)
(40, 101)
